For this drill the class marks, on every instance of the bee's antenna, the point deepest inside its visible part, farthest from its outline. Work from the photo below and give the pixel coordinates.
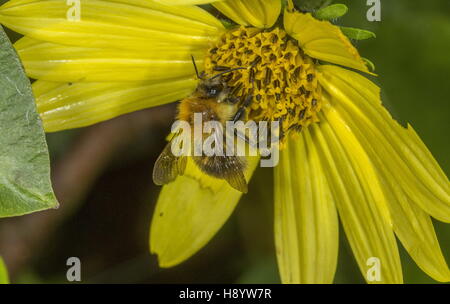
(226, 72)
(195, 67)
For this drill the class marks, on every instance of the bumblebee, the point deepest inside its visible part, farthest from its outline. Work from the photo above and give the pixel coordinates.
(215, 101)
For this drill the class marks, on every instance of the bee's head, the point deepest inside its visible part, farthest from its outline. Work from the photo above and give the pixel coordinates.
(216, 86)
(213, 87)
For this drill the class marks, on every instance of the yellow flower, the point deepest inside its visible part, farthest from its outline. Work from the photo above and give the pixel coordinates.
(344, 155)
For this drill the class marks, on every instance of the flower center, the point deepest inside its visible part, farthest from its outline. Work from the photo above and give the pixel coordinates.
(279, 76)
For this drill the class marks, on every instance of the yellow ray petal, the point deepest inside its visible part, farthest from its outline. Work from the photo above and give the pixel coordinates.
(306, 225)
(359, 198)
(122, 24)
(411, 224)
(258, 13)
(415, 229)
(56, 62)
(185, 2)
(189, 212)
(72, 105)
(322, 40)
(404, 155)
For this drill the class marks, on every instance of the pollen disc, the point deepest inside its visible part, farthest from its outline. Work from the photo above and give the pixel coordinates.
(279, 76)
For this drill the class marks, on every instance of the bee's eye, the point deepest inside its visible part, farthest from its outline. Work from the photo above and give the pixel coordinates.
(213, 91)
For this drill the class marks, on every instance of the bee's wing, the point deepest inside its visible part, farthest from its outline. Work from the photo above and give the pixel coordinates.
(168, 166)
(235, 174)
(237, 180)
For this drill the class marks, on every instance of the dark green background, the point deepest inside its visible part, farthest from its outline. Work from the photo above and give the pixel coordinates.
(109, 230)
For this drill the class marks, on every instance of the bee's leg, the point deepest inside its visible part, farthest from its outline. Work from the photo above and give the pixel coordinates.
(248, 100)
(241, 111)
(281, 133)
(242, 136)
(239, 115)
(243, 107)
(236, 90)
(271, 138)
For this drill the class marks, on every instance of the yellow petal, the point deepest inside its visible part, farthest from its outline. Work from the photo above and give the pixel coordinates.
(415, 230)
(356, 99)
(258, 13)
(122, 24)
(56, 62)
(359, 198)
(403, 154)
(322, 40)
(306, 225)
(189, 213)
(185, 2)
(72, 105)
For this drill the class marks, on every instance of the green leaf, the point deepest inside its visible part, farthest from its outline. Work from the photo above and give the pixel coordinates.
(227, 24)
(331, 12)
(3, 273)
(25, 184)
(357, 34)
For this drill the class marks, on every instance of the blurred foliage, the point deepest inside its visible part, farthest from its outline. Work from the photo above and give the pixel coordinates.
(109, 232)
(3, 273)
(311, 5)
